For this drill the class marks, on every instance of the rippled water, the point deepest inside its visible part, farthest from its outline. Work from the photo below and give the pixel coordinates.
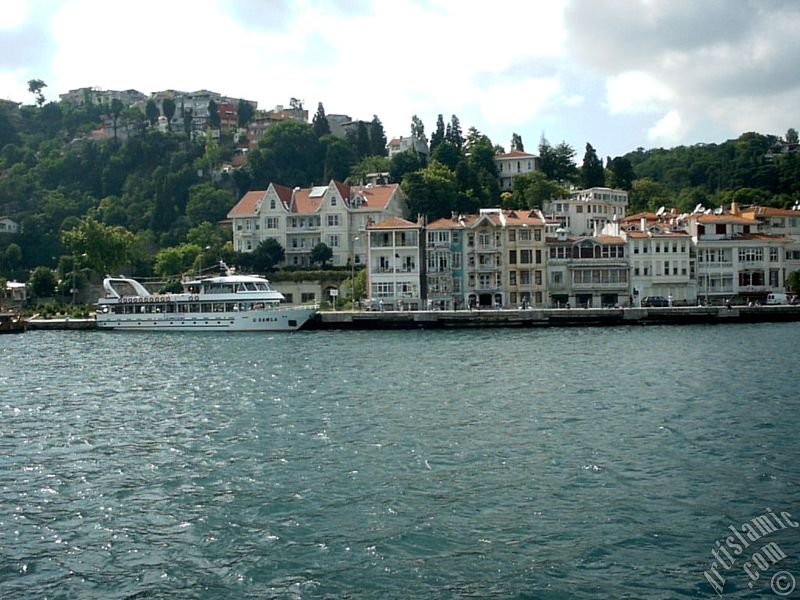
(561, 463)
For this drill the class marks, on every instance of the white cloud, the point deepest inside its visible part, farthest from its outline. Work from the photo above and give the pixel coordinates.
(511, 103)
(667, 130)
(636, 91)
(13, 14)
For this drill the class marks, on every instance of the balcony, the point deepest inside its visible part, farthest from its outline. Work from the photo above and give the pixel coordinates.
(618, 286)
(379, 269)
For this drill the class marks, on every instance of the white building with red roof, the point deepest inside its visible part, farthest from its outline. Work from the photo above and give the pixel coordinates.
(514, 163)
(336, 214)
(735, 257)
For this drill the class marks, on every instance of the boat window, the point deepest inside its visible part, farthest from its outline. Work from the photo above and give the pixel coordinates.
(195, 308)
(263, 287)
(231, 307)
(219, 307)
(205, 307)
(183, 308)
(258, 306)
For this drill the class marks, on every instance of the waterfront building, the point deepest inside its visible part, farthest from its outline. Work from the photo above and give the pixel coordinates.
(735, 258)
(495, 258)
(394, 264)
(300, 218)
(587, 271)
(511, 164)
(784, 223)
(586, 212)
(662, 262)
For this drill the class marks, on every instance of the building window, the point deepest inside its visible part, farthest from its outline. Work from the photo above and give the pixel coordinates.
(538, 257)
(525, 257)
(272, 222)
(272, 203)
(537, 279)
(512, 235)
(537, 235)
(333, 241)
(333, 220)
(557, 277)
(773, 255)
(525, 235)
(512, 257)
(512, 278)
(524, 277)
(308, 297)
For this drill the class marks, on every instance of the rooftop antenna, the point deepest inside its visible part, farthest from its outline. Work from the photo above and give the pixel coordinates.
(718, 211)
(698, 209)
(660, 211)
(707, 211)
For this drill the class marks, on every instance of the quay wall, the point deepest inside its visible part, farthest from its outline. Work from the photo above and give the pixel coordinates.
(576, 317)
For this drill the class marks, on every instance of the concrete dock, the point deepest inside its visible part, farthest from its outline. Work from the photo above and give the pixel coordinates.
(552, 317)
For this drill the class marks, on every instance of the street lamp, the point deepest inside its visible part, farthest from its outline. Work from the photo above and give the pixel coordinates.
(74, 270)
(353, 273)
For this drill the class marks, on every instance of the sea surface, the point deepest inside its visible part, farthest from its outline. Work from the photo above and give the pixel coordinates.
(503, 463)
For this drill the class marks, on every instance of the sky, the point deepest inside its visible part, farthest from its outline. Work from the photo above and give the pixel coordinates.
(619, 74)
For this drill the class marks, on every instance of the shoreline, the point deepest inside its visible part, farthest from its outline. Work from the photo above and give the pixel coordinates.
(542, 317)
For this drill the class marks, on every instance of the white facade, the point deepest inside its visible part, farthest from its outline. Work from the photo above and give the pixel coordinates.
(395, 265)
(8, 225)
(299, 219)
(586, 212)
(511, 164)
(401, 144)
(735, 259)
(662, 264)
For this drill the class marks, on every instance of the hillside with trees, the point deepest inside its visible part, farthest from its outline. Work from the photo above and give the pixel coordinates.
(150, 202)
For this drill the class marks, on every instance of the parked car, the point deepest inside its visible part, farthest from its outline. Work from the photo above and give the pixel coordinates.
(655, 301)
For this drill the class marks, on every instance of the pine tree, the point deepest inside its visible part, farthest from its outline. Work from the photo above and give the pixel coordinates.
(592, 173)
(438, 135)
(320, 122)
(377, 137)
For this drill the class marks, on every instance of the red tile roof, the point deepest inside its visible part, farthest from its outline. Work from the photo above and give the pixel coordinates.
(515, 154)
(769, 211)
(248, 205)
(376, 196)
(394, 223)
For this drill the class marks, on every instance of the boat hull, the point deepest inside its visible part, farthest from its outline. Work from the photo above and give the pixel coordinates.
(281, 319)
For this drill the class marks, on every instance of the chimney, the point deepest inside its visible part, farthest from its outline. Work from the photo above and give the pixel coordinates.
(643, 223)
(734, 208)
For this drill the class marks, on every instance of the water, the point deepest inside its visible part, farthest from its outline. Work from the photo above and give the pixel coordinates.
(559, 463)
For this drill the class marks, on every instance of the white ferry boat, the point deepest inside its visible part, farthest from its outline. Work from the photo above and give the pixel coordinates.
(218, 303)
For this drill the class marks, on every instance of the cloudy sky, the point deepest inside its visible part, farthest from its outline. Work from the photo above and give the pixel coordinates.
(617, 73)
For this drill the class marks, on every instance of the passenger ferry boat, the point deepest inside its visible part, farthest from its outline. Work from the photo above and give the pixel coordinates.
(227, 302)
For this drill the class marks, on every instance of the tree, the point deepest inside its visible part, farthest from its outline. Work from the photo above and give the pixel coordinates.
(42, 283)
(321, 254)
(213, 114)
(556, 162)
(35, 87)
(532, 190)
(592, 174)
(245, 113)
(268, 254)
(168, 109)
(377, 137)
(367, 165)
(339, 158)
(320, 123)
(791, 136)
(622, 174)
(403, 163)
(793, 282)
(188, 122)
(176, 260)
(431, 191)
(106, 248)
(207, 203)
(288, 154)
(417, 128)
(454, 134)
(362, 141)
(116, 110)
(438, 135)
(516, 142)
(151, 112)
